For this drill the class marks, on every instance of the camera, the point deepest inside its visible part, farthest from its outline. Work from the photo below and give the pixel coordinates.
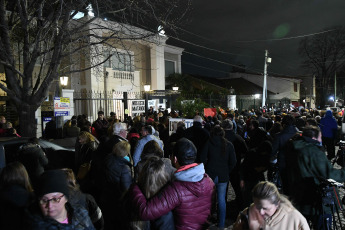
(341, 144)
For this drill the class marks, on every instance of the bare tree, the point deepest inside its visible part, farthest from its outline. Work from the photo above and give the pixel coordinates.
(324, 56)
(41, 40)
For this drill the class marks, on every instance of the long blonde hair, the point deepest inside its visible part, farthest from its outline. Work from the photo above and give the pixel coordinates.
(89, 137)
(265, 190)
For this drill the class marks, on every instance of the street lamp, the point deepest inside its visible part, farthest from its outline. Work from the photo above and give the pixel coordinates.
(146, 89)
(64, 81)
(175, 88)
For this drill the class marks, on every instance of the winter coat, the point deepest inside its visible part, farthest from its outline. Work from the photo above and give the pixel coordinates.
(85, 153)
(77, 216)
(118, 178)
(198, 135)
(118, 175)
(33, 158)
(216, 162)
(189, 196)
(101, 127)
(285, 218)
(279, 144)
(14, 199)
(77, 198)
(328, 125)
(306, 164)
(140, 146)
(239, 143)
(72, 131)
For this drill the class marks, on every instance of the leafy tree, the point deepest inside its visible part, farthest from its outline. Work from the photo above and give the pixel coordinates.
(324, 55)
(189, 107)
(41, 40)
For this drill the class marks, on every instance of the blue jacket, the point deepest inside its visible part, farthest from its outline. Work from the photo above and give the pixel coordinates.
(328, 125)
(140, 146)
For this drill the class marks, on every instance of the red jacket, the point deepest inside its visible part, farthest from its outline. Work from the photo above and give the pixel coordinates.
(190, 201)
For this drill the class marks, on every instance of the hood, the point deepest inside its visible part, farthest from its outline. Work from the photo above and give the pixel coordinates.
(304, 141)
(193, 174)
(329, 113)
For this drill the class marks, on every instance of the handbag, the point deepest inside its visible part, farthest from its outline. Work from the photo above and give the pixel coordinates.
(83, 170)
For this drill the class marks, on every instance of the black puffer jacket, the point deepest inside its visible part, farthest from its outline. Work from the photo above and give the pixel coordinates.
(33, 158)
(118, 178)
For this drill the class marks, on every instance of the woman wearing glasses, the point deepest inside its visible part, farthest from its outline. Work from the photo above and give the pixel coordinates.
(55, 212)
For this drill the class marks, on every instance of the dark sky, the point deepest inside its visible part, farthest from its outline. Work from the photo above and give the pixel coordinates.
(239, 31)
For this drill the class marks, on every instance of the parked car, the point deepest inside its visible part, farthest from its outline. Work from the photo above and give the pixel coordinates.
(58, 156)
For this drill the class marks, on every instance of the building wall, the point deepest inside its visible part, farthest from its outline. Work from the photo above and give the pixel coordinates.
(282, 87)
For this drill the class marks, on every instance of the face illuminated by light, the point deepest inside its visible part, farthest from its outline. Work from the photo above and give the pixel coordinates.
(53, 205)
(82, 140)
(265, 207)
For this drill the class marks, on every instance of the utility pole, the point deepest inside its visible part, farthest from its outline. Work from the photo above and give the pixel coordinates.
(264, 88)
(335, 89)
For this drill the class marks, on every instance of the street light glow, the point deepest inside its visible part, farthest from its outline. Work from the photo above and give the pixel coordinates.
(147, 88)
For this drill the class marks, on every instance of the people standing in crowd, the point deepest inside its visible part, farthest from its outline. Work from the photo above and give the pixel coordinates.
(279, 147)
(307, 165)
(16, 194)
(329, 128)
(256, 134)
(77, 197)
(32, 156)
(101, 125)
(180, 129)
(198, 135)
(52, 210)
(270, 210)
(254, 164)
(50, 131)
(151, 149)
(112, 117)
(118, 177)
(189, 195)
(241, 149)
(73, 130)
(219, 158)
(146, 136)
(133, 137)
(85, 151)
(153, 176)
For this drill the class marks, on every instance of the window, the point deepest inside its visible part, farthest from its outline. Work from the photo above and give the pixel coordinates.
(295, 87)
(119, 61)
(169, 68)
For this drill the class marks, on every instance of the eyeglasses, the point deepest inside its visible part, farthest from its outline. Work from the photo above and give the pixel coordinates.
(53, 200)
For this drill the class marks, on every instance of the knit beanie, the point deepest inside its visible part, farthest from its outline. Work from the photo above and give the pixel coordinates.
(52, 181)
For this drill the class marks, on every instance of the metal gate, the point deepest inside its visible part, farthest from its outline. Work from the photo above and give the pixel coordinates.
(89, 103)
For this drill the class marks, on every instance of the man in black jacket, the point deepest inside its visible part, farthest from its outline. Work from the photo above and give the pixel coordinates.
(198, 135)
(279, 145)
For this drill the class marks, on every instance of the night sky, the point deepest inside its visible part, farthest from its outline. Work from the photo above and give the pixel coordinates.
(230, 33)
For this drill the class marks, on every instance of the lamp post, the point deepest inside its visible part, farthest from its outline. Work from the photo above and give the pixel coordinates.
(146, 89)
(59, 119)
(175, 90)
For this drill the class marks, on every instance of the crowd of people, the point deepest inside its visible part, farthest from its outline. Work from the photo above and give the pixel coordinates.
(133, 175)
